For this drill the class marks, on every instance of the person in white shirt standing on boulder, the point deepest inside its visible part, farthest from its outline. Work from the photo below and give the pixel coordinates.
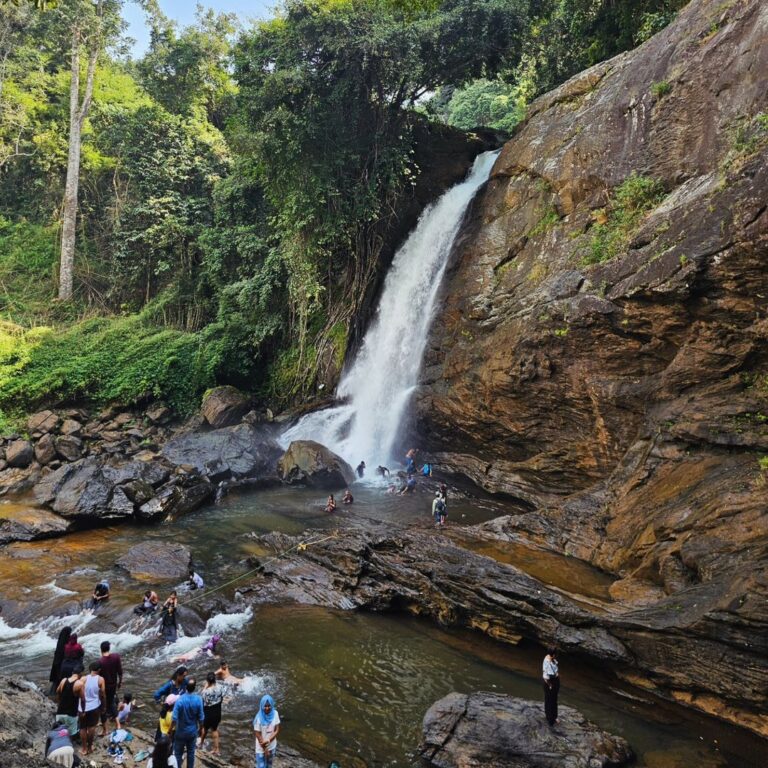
(551, 673)
(266, 726)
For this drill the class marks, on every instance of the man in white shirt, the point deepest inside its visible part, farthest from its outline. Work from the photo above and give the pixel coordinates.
(551, 674)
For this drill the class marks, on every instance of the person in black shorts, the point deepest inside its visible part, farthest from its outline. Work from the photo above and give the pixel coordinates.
(213, 697)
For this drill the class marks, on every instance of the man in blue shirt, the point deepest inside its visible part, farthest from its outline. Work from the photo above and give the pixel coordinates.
(187, 718)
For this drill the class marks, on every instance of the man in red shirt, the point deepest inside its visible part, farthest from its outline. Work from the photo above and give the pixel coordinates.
(112, 672)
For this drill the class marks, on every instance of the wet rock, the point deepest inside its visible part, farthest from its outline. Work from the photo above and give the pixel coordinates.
(45, 449)
(176, 498)
(31, 524)
(71, 427)
(43, 422)
(157, 560)
(224, 406)
(89, 489)
(498, 731)
(69, 447)
(14, 480)
(19, 453)
(235, 452)
(309, 463)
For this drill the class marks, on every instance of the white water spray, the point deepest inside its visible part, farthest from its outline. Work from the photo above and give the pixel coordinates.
(378, 385)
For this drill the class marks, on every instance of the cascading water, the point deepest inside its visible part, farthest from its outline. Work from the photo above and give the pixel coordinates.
(377, 387)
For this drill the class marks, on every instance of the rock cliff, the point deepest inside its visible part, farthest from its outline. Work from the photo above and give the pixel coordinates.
(600, 353)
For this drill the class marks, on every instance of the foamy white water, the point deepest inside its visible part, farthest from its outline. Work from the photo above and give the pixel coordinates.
(378, 386)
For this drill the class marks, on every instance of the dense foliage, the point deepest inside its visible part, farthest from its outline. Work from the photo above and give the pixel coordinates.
(236, 186)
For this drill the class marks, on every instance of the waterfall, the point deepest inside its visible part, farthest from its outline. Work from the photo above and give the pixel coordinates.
(377, 387)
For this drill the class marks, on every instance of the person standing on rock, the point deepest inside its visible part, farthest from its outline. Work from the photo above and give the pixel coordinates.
(176, 686)
(212, 696)
(73, 656)
(551, 673)
(169, 629)
(58, 658)
(188, 718)
(112, 672)
(68, 698)
(266, 727)
(92, 705)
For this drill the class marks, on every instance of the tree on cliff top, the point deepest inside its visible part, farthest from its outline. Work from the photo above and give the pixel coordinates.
(325, 94)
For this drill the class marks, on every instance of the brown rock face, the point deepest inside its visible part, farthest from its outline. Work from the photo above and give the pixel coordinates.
(309, 463)
(601, 352)
(45, 449)
(224, 406)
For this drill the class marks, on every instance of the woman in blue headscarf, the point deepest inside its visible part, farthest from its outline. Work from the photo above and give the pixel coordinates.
(266, 726)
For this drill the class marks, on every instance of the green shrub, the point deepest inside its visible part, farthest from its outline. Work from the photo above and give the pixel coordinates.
(763, 463)
(120, 360)
(632, 199)
(661, 89)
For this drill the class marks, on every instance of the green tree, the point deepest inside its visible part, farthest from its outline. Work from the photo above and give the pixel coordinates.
(326, 91)
(189, 70)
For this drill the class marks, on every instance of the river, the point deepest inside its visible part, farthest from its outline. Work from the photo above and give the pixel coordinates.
(349, 686)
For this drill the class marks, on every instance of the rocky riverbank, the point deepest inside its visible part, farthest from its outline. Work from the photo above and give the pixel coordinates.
(26, 716)
(424, 573)
(73, 469)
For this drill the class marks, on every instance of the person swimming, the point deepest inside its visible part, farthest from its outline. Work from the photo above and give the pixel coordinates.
(224, 675)
(347, 498)
(330, 505)
(382, 471)
(208, 648)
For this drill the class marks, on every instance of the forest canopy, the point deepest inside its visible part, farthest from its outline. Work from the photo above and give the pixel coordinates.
(235, 185)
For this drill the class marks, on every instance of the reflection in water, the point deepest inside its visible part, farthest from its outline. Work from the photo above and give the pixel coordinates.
(352, 687)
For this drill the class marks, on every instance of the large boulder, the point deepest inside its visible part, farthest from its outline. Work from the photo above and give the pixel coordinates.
(239, 452)
(309, 463)
(69, 447)
(157, 560)
(45, 449)
(30, 524)
(494, 730)
(177, 497)
(90, 489)
(19, 454)
(43, 422)
(224, 406)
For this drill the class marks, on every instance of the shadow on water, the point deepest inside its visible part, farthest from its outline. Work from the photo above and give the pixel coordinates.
(349, 686)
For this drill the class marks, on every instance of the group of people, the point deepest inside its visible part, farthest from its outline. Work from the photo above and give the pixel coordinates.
(169, 627)
(186, 719)
(86, 700)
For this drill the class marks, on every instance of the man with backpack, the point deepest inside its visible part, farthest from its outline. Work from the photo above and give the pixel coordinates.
(439, 509)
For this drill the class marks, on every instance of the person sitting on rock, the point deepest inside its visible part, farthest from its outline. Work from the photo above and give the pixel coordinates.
(330, 504)
(195, 580)
(347, 498)
(172, 600)
(360, 469)
(409, 486)
(148, 604)
(101, 593)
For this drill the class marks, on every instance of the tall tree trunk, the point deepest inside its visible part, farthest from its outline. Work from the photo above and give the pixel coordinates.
(77, 114)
